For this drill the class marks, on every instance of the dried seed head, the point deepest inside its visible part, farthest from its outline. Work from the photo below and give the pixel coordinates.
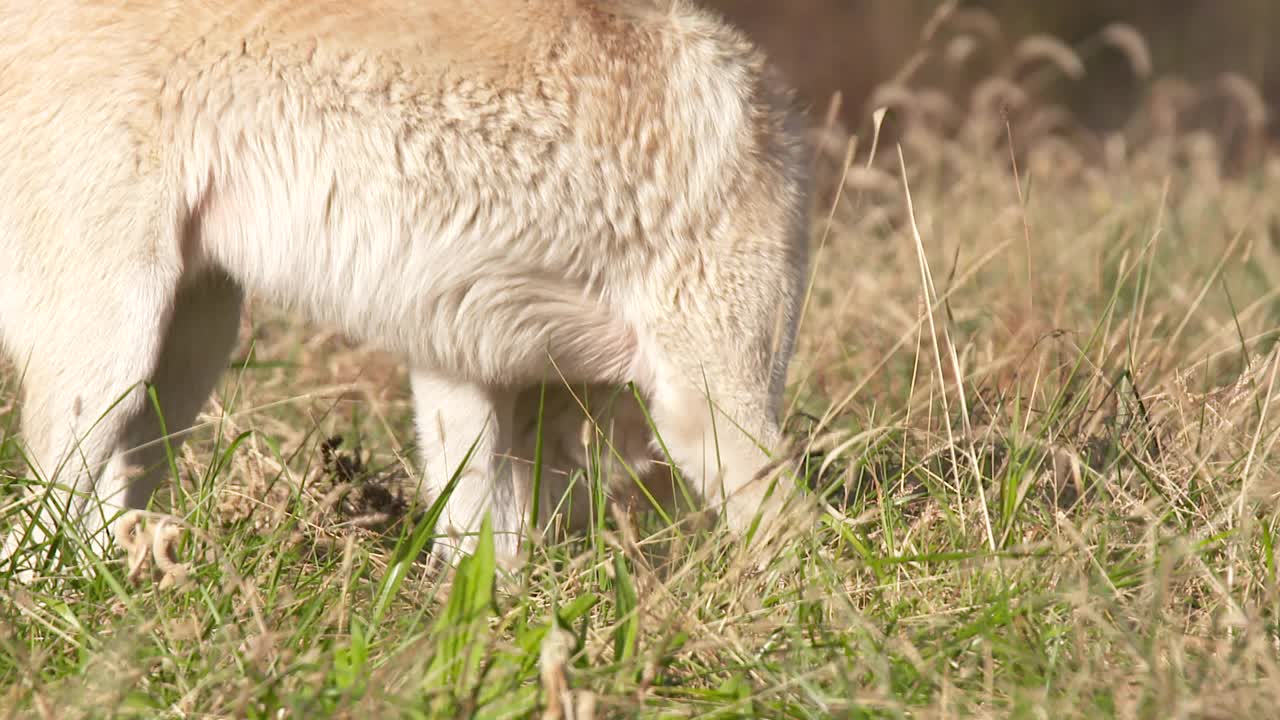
(937, 20)
(982, 24)
(870, 179)
(895, 96)
(131, 535)
(1047, 121)
(936, 105)
(1203, 154)
(1055, 156)
(996, 92)
(1246, 97)
(164, 553)
(960, 50)
(1046, 48)
(1129, 41)
(1169, 98)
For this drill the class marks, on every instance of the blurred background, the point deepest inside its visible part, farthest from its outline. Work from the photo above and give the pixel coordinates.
(1119, 53)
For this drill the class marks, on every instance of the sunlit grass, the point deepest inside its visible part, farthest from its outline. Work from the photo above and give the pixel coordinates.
(1038, 439)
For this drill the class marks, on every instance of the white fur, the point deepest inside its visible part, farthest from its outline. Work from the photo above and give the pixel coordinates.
(505, 192)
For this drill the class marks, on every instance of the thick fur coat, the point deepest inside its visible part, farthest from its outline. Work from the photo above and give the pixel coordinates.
(504, 192)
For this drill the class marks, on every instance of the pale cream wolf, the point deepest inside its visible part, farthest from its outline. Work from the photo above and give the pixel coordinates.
(505, 192)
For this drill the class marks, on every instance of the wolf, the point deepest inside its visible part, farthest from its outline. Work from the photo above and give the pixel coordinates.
(509, 194)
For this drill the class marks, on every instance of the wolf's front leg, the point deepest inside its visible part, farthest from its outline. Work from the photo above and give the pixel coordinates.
(464, 429)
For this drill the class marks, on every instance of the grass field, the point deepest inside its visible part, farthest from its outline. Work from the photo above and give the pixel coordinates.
(1039, 440)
